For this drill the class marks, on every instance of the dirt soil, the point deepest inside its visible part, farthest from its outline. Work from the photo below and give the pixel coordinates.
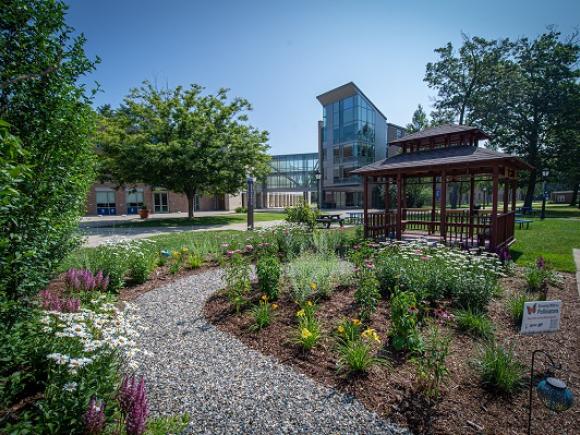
(464, 406)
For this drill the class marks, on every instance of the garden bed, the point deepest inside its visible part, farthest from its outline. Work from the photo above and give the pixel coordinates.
(464, 406)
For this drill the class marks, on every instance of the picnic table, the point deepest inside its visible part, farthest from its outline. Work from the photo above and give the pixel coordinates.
(522, 222)
(327, 219)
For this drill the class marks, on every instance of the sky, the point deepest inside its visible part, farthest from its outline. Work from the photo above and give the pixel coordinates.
(281, 54)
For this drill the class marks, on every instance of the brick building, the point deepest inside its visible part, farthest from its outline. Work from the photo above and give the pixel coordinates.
(107, 199)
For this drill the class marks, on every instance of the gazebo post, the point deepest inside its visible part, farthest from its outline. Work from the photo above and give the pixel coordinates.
(399, 205)
(514, 191)
(387, 205)
(506, 192)
(471, 206)
(433, 204)
(366, 206)
(443, 206)
(495, 189)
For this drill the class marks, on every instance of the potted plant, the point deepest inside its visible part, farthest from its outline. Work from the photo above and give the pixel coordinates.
(144, 212)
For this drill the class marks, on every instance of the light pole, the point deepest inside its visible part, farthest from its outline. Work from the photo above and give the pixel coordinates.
(484, 195)
(319, 188)
(250, 203)
(545, 173)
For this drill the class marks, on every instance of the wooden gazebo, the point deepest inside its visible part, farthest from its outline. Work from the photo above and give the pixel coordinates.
(440, 155)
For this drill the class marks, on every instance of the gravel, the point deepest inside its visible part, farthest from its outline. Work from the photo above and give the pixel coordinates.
(225, 386)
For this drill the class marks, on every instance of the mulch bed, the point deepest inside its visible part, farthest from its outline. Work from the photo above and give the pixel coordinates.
(464, 406)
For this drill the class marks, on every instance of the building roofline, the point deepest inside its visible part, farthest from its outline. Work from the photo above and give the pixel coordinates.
(334, 94)
(294, 154)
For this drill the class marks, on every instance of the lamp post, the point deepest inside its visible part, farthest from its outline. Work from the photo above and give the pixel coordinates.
(545, 173)
(250, 203)
(552, 391)
(484, 196)
(319, 188)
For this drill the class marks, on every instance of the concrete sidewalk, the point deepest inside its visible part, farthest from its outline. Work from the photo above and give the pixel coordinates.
(96, 235)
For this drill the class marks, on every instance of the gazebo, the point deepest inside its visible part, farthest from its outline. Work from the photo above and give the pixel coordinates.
(439, 156)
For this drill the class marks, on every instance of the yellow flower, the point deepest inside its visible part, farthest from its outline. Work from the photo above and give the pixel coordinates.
(300, 313)
(264, 298)
(305, 333)
(274, 306)
(356, 322)
(313, 286)
(341, 329)
(309, 303)
(184, 250)
(370, 333)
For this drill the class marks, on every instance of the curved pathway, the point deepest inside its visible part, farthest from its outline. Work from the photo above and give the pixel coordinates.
(225, 386)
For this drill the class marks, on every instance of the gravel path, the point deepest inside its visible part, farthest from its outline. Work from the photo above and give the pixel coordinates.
(227, 387)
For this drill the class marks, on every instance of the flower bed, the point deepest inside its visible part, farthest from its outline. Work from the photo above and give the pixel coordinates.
(411, 334)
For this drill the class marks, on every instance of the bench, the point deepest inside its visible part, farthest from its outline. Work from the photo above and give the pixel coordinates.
(327, 220)
(522, 222)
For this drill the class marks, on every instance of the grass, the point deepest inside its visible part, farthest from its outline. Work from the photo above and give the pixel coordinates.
(500, 371)
(555, 210)
(474, 324)
(225, 219)
(552, 239)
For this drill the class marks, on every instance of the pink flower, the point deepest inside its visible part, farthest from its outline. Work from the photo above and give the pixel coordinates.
(94, 418)
(425, 257)
(369, 264)
(413, 310)
(133, 402)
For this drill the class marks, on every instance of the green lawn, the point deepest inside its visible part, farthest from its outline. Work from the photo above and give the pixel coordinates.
(552, 239)
(201, 220)
(555, 210)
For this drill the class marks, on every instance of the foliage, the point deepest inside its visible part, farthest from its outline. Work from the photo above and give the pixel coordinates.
(308, 331)
(358, 355)
(173, 424)
(330, 242)
(194, 261)
(291, 240)
(262, 313)
(45, 175)
(348, 330)
(367, 293)
(237, 281)
(141, 264)
(182, 140)
(268, 271)
(474, 323)
(316, 275)
(500, 372)
(404, 331)
(241, 210)
(419, 122)
(302, 213)
(431, 365)
(515, 305)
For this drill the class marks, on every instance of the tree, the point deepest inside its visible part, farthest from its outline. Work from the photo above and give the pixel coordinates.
(419, 121)
(44, 106)
(183, 140)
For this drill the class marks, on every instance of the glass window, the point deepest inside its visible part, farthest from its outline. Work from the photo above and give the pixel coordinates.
(347, 103)
(105, 198)
(347, 152)
(134, 198)
(336, 154)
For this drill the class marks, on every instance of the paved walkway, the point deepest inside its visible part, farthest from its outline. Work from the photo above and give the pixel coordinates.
(576, 253)
(97, 235)
(226, 387)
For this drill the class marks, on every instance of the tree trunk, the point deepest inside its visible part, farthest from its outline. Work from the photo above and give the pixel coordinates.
(575, 195)
(190, 203)
(530, 189)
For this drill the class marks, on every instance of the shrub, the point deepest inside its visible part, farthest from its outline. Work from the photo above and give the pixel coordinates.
(141, 265)
(268, 271)
(309, 331)
(302, 213)
(330, 241)
(357, 356)
(499, 370)
(367, 294)
(316, 275)
(112, 260)
(404, 332)
(431, 365)
(291, 241)
(262, 313)
(474, 323)
(194, 261)
(241, 209)
(237, 281)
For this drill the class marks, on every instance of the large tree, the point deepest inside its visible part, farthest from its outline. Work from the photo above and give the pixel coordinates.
(45, 107)
(183, 140)
(419, 121)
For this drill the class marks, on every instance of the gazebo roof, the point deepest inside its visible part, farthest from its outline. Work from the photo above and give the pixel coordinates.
(440, 133)
(455, 159)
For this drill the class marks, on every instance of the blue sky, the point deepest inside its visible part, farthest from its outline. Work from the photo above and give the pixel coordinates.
(281, 55)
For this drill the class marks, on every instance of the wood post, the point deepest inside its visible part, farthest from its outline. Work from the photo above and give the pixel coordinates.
(514, 192)
(433, 204)
(506, 194)
(443, 206)
(366, 205)
(399, 206)
(495, 189)
(387, 205)
(471, 205)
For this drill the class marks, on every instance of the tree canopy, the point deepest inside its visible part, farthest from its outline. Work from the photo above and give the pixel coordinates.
(183, 140)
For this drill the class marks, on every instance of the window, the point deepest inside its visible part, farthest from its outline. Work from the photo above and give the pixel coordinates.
(106, 202)
(336, 154)
(347, 152)
(134, 197)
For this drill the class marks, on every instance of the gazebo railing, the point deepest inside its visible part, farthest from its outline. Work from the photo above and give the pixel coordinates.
(381, 225)
(504, 229)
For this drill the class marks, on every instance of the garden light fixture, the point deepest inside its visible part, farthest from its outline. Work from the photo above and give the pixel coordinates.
(552, 392)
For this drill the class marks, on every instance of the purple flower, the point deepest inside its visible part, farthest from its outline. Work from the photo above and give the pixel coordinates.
(94, 418)
(137, 418)
(248, 248)
(133, 402)
(541, 263)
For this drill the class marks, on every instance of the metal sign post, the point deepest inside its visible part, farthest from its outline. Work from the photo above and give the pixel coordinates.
(250, 203)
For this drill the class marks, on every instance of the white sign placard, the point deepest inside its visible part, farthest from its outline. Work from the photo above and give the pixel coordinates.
(541, 316)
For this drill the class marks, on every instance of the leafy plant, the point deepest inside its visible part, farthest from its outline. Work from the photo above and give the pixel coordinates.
(172, 424)
(262, 313)
(499, 370)
(367, 294)
(515, 305)
(349, 330)
(431, 365)
(302, 213)
(404, 332)
(194, 261)
(141, 265)
(357, 356)
(474, 323)
(237, 281)
(268, 271)
(309, 331)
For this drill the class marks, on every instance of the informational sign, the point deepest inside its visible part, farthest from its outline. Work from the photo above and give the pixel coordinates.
(541, 317)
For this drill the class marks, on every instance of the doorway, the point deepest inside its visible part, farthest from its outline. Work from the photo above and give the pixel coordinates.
(160, 202)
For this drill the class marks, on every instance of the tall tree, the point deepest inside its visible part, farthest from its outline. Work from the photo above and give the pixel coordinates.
(419, 122)
(184, 141)
(43, 104)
